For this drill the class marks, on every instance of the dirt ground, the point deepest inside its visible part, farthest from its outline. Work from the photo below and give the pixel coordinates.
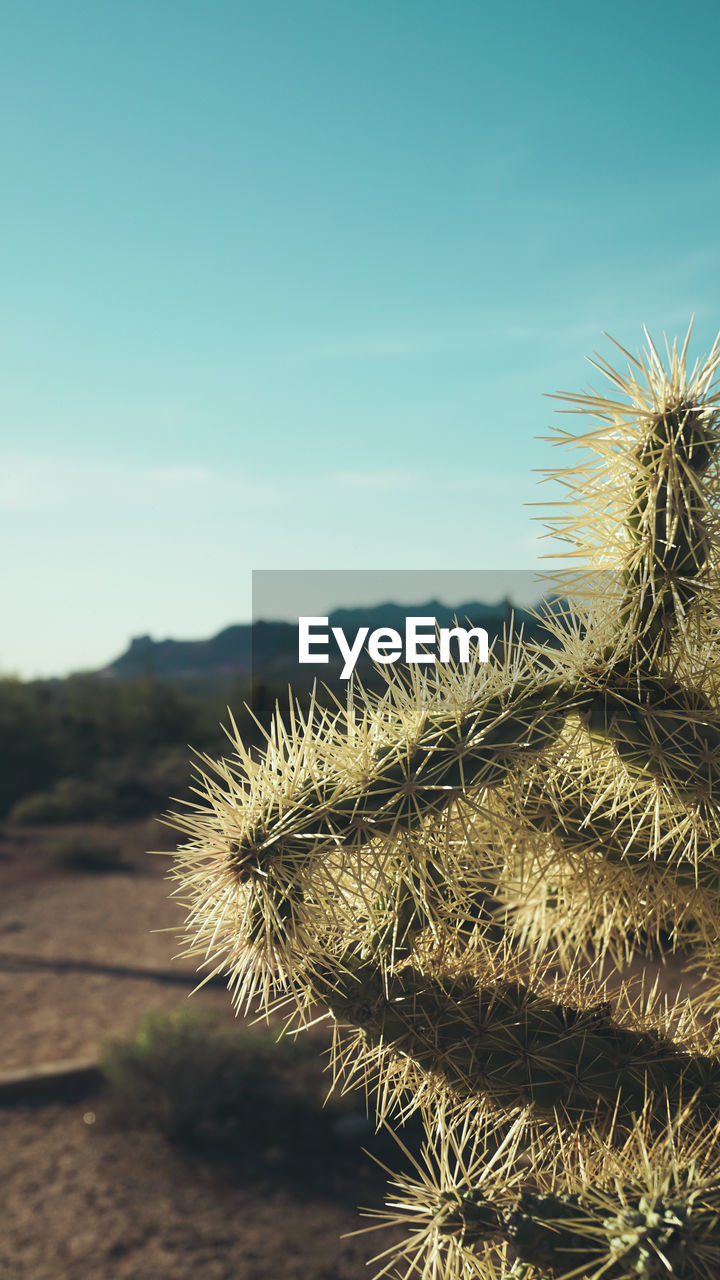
(82, 1201)
(50, 914)
(85, 1205)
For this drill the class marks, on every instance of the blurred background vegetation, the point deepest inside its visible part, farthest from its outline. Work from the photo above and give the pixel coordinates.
(88, 748)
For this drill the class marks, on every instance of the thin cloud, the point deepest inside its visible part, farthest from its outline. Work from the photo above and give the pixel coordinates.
(92, 487)
(378, 347)
(46, 484)
(376, 481)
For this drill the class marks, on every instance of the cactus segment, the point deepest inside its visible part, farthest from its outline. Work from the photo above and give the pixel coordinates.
(404, 781)
(276, 862)
(562, 1209)
(661, 729)
(644, 502)
(669, 523)
(521, 1049)
(626, 822)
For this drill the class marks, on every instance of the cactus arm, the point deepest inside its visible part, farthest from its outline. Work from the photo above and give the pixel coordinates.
(662, 730)
(517, 1048)
(572, 1235)
(404, 781)
(668, 524)
(261, 853)
(575, 816)
(645, 503)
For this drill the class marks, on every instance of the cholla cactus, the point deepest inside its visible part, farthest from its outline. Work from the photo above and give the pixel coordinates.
(447, 866)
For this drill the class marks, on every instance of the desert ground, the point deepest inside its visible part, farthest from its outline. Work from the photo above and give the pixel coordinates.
(84, 1198)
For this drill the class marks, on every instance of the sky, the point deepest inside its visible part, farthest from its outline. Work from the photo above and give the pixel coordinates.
(284, 285)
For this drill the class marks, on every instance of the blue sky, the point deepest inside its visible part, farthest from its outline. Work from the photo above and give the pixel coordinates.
(283, 285)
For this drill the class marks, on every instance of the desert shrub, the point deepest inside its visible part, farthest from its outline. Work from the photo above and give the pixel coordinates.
(121, 789)
(237, 1093)
(86, 747)
(87, 852)
(68, 800)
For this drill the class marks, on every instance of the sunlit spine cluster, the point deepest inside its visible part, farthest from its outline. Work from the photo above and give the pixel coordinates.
(458, 871)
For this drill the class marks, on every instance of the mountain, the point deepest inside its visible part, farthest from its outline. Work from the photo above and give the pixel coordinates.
(226, 653)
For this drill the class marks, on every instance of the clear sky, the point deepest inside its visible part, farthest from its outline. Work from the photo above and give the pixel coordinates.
(283, 282)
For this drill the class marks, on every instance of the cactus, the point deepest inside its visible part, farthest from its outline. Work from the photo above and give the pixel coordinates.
(459, 870)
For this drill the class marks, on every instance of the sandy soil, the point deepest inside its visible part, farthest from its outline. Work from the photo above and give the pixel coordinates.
(48, 914)
(84, 1202)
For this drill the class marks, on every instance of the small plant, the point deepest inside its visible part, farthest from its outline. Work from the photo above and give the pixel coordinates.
(242, 1095)
(68, 800)
(571, 1123)
(85, 853)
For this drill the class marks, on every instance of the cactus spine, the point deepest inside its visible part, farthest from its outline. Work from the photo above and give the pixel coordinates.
(438, 864)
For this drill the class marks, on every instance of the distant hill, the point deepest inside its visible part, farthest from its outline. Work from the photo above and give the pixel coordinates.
(268, 650)
(226, 653)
